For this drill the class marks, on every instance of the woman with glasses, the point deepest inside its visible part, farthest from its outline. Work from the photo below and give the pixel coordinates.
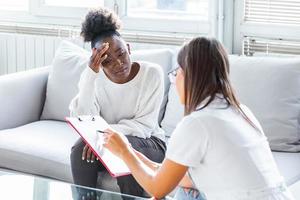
(219, 143)
(127, 94)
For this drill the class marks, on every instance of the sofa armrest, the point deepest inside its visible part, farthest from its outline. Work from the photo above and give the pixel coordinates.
(22, 97)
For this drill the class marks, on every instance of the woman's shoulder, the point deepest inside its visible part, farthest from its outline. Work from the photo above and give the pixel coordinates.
(150, 67)
(191, 122)
(151, 70)
(189, 130)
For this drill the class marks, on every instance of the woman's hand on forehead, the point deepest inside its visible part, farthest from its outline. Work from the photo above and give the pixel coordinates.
(98, 56)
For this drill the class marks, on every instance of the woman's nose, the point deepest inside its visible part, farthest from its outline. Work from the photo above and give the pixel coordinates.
(120, 62)
(117, 64)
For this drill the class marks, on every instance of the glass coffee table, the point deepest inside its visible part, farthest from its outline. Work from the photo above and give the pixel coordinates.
(16, 186)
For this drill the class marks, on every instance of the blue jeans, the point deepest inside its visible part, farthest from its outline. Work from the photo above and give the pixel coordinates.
(191, 194)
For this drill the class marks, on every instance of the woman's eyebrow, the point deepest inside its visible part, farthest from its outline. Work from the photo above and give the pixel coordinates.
(118, 49)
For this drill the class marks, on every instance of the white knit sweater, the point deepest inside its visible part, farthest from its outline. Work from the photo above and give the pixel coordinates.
(131, 108)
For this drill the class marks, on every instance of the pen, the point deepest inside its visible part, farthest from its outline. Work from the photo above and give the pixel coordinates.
(98, 131)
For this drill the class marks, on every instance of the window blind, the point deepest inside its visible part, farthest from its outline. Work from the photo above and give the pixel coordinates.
(254, 46)
(273, 11)
(270, 13)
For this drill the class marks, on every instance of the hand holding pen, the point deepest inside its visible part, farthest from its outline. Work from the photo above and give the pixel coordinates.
(116, 142)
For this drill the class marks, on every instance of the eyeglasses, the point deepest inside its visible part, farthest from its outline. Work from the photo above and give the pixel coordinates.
(172, 75)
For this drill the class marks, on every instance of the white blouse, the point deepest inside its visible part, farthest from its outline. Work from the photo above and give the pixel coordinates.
(226, 156)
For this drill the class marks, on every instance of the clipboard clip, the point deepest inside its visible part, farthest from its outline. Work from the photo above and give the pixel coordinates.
(80, 119)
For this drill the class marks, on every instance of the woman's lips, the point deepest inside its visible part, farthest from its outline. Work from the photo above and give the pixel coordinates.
(122, 70)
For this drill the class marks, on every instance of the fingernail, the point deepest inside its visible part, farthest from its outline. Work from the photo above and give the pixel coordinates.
(92, 161)
(87, 161)
(82, 158)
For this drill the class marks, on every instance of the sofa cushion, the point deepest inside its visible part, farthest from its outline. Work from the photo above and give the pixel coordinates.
(174, 111)
(270, 88)
(288, 165)
(41, 148)
(69, 62)
(163, 57)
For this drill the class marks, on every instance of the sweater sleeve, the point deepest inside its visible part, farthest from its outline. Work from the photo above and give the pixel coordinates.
(85, 102)
(145, 121)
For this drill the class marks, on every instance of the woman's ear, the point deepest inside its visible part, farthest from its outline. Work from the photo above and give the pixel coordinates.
(128, 48)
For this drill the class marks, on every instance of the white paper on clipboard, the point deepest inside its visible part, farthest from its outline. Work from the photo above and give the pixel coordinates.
(86, 127)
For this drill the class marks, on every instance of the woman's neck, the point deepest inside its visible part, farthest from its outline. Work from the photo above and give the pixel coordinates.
(135, 67)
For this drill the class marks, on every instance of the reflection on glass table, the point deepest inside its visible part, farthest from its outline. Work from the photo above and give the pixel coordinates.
(15, 186)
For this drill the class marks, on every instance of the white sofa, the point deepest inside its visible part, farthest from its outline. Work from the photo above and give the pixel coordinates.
(269, 86)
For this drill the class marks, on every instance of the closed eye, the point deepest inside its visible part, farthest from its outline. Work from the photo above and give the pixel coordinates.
(121, 54)
(106, 61)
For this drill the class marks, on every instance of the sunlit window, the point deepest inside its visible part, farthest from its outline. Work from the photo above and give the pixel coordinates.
(184, 9)
(14, 5)
(75, 3)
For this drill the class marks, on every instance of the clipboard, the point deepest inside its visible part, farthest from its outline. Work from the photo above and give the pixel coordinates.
(88, 128)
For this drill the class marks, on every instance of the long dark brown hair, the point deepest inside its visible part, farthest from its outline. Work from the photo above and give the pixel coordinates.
(206, 73)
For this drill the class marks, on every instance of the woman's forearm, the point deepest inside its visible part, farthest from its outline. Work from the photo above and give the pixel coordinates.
(153, 165)
(157, 181)
(142, 170)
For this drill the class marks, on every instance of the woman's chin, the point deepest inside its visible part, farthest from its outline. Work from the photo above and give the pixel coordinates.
(181, 99)
(182, 102)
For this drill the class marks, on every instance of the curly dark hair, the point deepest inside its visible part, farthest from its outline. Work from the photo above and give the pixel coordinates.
(99, 22)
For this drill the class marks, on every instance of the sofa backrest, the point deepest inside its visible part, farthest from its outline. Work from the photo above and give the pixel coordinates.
(69, 62)
(22, 97)
(270, 88)
(163, 57)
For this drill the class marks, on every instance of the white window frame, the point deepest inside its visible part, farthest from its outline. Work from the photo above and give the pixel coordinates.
(270, 31)
(167, 25)
(40, 14)
(201, 27)
(39, 8)
(66, 18)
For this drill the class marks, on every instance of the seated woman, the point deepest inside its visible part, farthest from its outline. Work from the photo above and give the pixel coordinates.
(219, 142)
(128, 95)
